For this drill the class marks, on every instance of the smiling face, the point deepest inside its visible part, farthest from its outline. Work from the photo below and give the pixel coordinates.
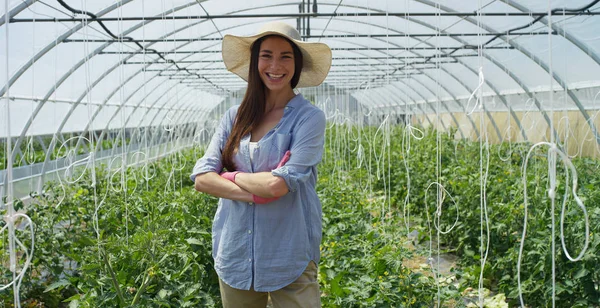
(276, 65)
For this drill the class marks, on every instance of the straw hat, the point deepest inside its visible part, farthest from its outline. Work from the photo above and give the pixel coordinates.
(316, 56)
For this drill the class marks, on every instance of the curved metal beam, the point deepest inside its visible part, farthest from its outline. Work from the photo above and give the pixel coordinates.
(424, 73)
(537, 61)
(16, 10)
(579, 44)
(394, 88)
(445, 106)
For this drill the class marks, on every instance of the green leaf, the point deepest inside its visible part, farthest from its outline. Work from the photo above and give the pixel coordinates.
(193, 241)
(59, 284)
(74, 298)
(582, 272)
(162, 293)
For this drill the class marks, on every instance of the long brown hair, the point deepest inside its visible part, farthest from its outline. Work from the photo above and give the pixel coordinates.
(252, 108)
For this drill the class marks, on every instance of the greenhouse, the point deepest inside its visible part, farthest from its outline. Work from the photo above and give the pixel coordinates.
(460, 162)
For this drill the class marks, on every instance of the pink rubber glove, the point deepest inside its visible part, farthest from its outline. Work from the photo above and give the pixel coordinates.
(229, 175)
(285, 159)
(261, 200)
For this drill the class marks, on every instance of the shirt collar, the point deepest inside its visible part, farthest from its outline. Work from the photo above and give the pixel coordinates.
(296, 101)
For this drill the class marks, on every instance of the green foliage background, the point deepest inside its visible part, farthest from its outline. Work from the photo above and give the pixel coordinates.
(153, 248)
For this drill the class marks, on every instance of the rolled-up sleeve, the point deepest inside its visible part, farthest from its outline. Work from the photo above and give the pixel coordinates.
(307, 150)
(211, 161)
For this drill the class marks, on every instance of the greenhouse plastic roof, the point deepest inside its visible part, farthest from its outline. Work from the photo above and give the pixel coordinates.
(80, 65)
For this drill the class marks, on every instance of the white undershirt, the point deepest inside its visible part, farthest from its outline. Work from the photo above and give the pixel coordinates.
(252, 146)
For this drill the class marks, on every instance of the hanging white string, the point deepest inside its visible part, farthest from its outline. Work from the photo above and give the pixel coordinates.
(92, 148)
(70, 163)
(10, 216)
(552, 154)
(124, 143)
(506, 138)
(483, 152)
(438, 156)
(553, 151)
(439, 207)
(475, 92)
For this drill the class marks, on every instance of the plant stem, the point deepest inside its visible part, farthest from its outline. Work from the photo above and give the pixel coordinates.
(141, 289)
(114, 280)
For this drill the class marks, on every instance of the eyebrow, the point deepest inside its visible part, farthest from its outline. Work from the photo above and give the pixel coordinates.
(283, 53)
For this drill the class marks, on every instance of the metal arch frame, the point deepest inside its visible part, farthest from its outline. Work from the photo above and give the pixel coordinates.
(390, 91)
(421, 71)
(456, 100)
(182, 102)
(502, 67)
(395, 86)
(143, 117)
(415, 53)
(393, 94)
(53, 142)
(183, 109)
(75, 67)
(537, 61)
(159, 137)
(454, 97)
(375, 25)
(151, 107)
(157, 127)
(397, 89)
(137, 73)
(55, 43)
(73, 107)
(455, 78)
(87, 91)
(445, 106)
(285, 4)
(41, 53)
(133, 28)
(445, 89)
(111, 95)
(450, 74)
(16, 10)
(141, 24)
(185, 116)
(503, 99)
(468, 67)
(488, 83)
(574, 40)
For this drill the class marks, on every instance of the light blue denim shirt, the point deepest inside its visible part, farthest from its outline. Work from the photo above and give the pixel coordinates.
(268, 246)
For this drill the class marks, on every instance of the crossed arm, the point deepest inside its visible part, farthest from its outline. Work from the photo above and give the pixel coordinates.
(262, 184)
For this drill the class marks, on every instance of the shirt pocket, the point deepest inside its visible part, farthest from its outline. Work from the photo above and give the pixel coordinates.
(279, 145)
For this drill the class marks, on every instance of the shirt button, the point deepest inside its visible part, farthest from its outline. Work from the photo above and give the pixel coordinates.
(251, 203)
(249, 260)
(249, 231)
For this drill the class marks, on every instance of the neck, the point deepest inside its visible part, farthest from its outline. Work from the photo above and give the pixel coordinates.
(276, 100)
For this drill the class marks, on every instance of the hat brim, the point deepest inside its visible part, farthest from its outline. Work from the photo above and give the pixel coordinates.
(316, 57)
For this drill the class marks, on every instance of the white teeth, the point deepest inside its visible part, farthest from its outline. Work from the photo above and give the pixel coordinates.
(275, 76)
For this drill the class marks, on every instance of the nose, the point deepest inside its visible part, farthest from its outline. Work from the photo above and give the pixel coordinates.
(275, 63)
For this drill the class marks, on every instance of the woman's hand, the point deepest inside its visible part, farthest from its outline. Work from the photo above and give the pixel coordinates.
(265, 187)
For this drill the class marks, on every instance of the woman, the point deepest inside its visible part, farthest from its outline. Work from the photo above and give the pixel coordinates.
(267, 228)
